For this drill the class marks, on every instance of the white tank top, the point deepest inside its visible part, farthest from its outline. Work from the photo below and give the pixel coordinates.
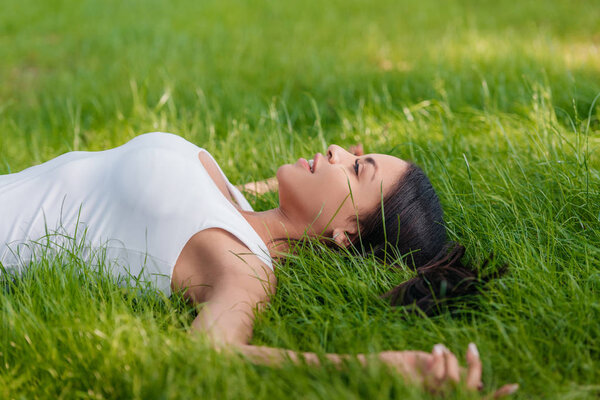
(139, 203)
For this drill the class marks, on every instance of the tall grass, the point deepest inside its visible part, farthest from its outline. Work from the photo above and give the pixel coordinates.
(493, 99)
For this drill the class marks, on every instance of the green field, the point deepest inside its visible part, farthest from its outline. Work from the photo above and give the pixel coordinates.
(494, 99)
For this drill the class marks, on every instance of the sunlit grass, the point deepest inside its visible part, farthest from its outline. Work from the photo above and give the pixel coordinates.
(493, 100)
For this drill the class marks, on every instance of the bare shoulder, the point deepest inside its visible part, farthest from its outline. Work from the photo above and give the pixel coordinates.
(214, 261)
(222, 248)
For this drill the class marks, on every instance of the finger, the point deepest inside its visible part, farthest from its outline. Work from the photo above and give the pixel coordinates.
(473, 380)
(452, 367)
(357, 150)
(506, 390)
(437, 369)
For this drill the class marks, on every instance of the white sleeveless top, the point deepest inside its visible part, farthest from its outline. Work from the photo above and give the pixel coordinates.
(139, 203)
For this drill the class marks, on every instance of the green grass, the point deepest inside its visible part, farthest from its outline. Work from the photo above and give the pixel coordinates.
(493, 99)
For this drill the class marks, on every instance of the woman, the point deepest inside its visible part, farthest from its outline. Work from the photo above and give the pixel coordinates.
(163, 212)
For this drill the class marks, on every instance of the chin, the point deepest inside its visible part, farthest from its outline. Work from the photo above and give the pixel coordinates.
(291, 186)
(282, 172)
(283, 176)
(290, 173)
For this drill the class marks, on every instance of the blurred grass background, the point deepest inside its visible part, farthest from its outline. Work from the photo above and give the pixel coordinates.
(495, 99)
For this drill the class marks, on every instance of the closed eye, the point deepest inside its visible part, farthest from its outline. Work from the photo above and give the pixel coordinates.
(356, 166)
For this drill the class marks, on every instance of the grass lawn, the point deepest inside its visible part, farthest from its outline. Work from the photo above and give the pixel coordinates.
(494, 99)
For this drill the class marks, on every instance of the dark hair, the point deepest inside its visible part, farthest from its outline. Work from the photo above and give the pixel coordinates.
(409, 223)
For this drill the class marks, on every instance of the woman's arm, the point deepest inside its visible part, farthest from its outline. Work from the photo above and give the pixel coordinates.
(260, 187)
(433, 370)
(227, 319)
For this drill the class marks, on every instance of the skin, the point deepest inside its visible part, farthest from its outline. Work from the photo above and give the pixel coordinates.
(216, 270)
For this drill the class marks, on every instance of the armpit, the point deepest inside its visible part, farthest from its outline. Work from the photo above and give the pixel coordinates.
(215, 174)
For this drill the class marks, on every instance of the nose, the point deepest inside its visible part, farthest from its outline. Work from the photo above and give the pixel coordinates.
(336, 154)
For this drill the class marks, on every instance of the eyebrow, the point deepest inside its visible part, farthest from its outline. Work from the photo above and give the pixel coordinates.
(373, 163)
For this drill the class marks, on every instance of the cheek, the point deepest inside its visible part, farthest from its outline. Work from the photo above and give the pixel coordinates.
(299, 192)
(311, 196)
(347, 198)
(330, 201)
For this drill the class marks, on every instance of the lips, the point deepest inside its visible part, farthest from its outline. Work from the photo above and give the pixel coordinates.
(315, 162)
(310, 165)
(305, 164)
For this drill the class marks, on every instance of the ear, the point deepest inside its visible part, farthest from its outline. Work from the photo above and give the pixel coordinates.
(342, 237)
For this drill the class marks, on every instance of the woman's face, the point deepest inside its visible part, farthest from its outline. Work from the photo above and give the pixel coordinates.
(339, 186)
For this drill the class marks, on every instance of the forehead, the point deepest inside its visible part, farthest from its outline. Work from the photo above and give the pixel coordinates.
(389, 168)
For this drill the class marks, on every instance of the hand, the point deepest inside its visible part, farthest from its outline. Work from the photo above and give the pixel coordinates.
(439, 368)
(357, 149)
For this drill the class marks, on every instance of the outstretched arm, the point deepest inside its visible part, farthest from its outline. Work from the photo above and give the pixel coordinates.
(246, 284)
(260, 187)
(228, 320)
(430, 369)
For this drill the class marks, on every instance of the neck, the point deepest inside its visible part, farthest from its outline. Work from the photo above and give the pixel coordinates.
(272, 225)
